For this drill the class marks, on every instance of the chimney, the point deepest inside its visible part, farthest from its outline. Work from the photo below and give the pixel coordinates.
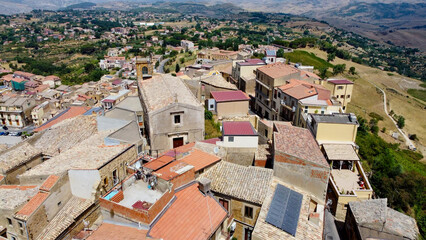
(204, 185)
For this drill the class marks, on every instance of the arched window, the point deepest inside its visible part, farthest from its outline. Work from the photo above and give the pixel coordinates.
(144, 70)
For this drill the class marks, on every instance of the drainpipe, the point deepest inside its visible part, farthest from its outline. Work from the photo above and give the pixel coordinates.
(26, 230)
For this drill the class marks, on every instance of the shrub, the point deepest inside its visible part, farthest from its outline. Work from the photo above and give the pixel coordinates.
(376, 116)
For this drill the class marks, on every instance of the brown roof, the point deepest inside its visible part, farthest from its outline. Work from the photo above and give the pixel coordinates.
(300, 89)
(277, 70)
(298, 142)
(117, 232)
(49, 183)
(192, 215)
(172, 170)
(200, 159)
(32, 205)
(159, 162)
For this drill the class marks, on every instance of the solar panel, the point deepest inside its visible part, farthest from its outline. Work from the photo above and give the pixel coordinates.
(285, 209)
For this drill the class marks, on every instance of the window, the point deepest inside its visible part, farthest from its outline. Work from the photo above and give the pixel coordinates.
(279, 95)
(9, 221)
(339, 87)
(248, 212)
(306, 109)
(59, 204)
(342, 96)
(349, 96)
(13, 238)
(224, 203)
(211, 106)
(20, 224)
(177, 119)
(230, 139)
(266, 132)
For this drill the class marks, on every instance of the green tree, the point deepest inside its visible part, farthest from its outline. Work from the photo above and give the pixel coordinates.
(280, 53)
(401, 122)
(339, 68)
(331, 56)
(352, 70)
(323, 72)
(177, 69)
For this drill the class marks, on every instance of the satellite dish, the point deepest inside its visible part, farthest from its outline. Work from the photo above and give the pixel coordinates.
(216, 150)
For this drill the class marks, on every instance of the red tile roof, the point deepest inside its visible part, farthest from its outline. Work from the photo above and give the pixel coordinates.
(230, 96)
(49, 183)
(18, 187)
(238, 128)
(298, 142)
(71, 112)
(117, 232)
(182, 149)
(159, 162)
(200, 159)
(211, 140)
(171, 171)
(340, 81)
(191, 216)
(33, 204)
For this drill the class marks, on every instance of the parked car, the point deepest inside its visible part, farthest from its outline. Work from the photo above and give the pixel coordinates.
(14, 134)
(2, 133)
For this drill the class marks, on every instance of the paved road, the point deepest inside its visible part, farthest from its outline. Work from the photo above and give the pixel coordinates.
(161, 66)
(408, 142)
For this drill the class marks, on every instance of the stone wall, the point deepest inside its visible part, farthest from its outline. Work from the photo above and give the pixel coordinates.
(118, 163)
(11, 176)
(162, 128)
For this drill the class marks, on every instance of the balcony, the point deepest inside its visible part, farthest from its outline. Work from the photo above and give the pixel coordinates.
(352, 183)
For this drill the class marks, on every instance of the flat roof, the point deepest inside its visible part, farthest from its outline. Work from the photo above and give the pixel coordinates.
(340, 152)
(342, 118)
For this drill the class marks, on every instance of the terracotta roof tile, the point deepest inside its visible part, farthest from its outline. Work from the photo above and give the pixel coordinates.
(49, 183)
(182, 149)
(68, 113)
(159, 162)
(18, 187)
(238, 128)
(277, 70)
(191, 216)
(298, 142)
(117, 232)
(172, 170)
(229, 96)
(32, 205)
(200, 159)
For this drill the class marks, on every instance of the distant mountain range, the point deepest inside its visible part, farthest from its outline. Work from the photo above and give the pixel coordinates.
(402, 23)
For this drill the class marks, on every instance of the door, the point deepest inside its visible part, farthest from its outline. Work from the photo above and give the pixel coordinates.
(247, 233)
(177, 142)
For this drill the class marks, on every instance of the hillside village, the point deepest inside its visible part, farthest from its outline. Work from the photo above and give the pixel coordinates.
(184, 139)
(130, 157)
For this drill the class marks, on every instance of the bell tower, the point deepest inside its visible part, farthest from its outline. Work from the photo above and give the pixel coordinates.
(143, 68)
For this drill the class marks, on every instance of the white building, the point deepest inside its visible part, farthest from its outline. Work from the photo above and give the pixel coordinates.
(240, 134)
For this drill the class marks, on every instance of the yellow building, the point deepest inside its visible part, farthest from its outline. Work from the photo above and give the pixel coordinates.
(143, 68)
(341, 89)
(333, 128)
(348, 181)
